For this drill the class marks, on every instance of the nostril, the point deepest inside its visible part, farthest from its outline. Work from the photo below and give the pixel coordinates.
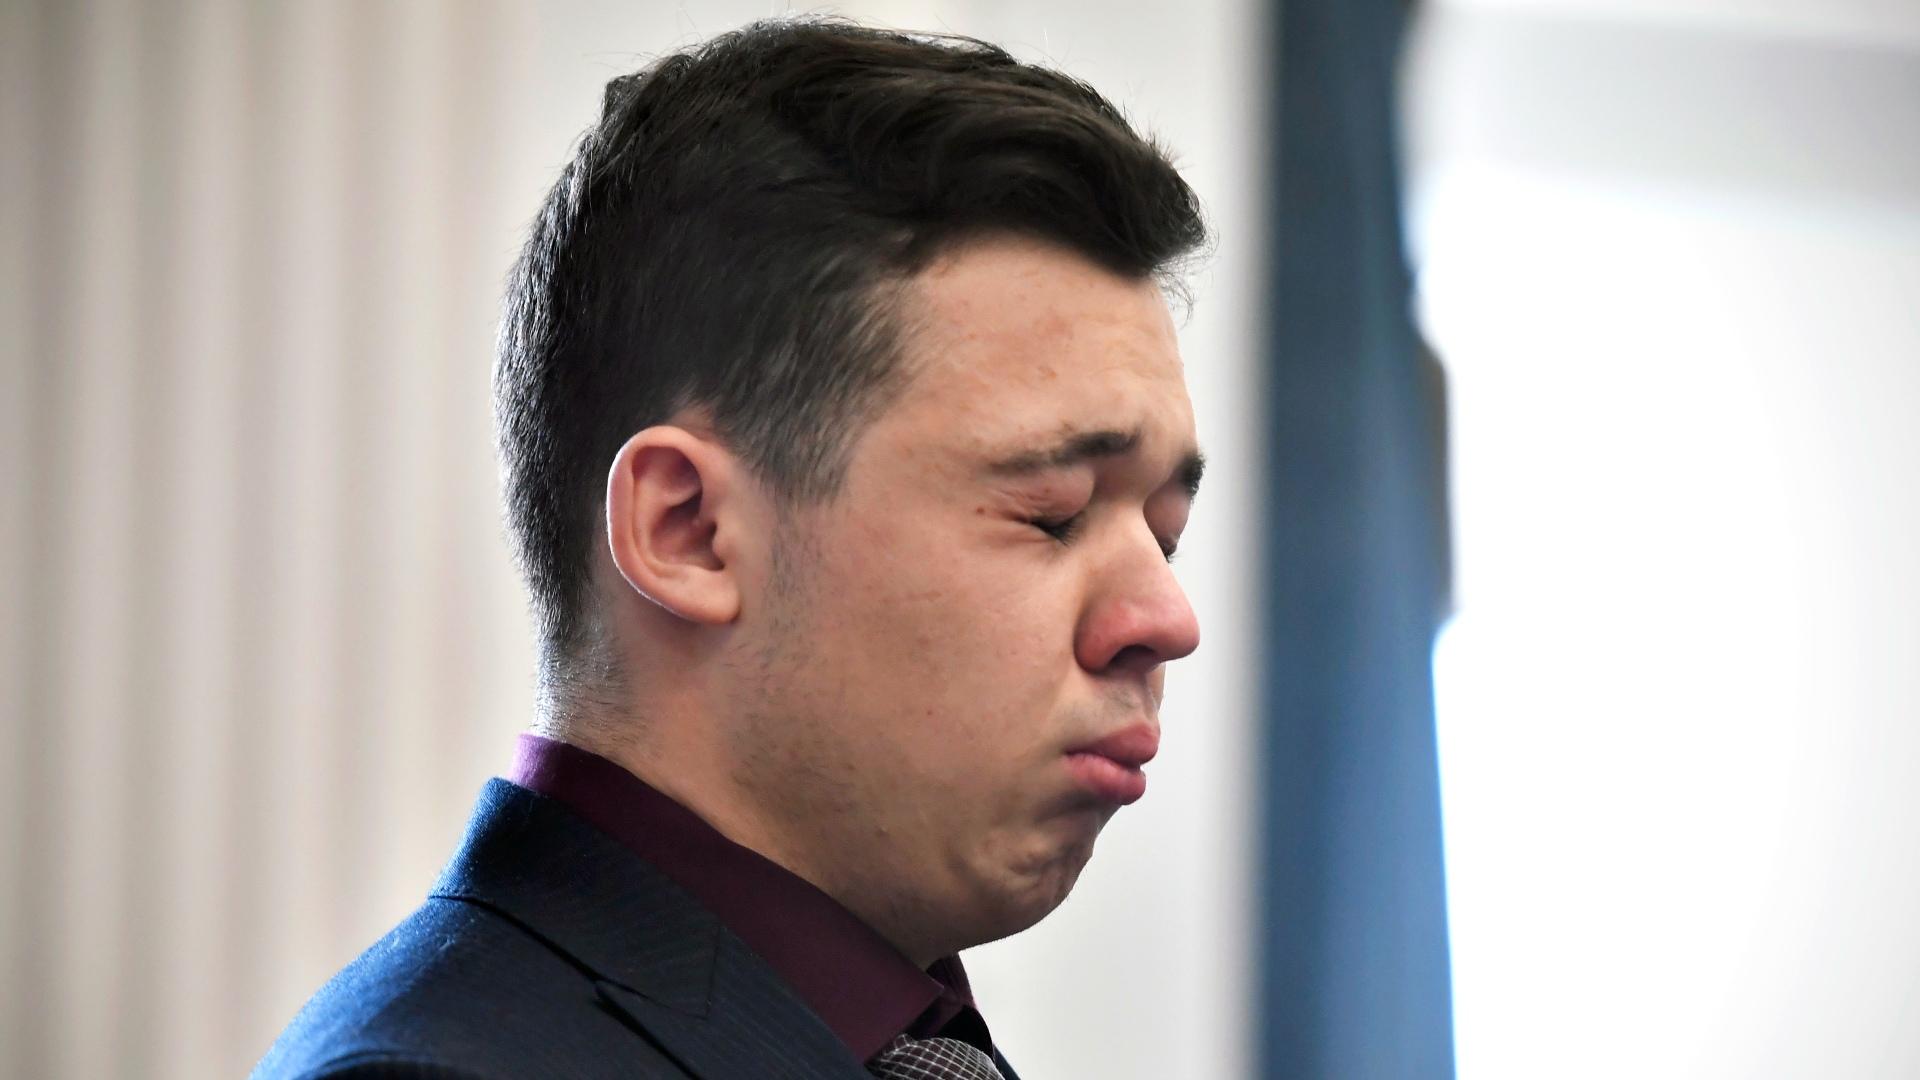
(1135, 658)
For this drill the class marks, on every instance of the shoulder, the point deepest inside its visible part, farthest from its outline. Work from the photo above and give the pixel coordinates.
(460, 991)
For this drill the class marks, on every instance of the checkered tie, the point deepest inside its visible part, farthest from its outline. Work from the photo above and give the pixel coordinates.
(933, 1059)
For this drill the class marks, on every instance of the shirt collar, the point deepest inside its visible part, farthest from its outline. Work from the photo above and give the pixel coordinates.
(853, 979)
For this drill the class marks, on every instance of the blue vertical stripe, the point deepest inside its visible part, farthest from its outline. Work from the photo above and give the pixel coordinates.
(1354, 966)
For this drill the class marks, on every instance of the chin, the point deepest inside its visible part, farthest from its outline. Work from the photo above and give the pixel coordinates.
(1032, 888)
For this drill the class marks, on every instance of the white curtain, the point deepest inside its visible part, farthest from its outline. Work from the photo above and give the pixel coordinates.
(262, 640)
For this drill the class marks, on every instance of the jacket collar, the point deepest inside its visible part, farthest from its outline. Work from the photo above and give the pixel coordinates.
(655, 955)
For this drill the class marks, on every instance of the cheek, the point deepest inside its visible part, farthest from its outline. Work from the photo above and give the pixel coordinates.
(945, 610)
(963, 651)
(966, 614)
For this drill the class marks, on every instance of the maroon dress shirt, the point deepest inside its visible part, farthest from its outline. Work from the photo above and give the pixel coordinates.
(853, 979)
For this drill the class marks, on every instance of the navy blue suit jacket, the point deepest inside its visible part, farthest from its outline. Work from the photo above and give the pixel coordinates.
(547, 949)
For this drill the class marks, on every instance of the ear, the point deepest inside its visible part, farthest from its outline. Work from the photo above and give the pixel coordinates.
(668, 517)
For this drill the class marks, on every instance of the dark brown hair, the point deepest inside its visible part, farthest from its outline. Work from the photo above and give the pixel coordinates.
(731, 235)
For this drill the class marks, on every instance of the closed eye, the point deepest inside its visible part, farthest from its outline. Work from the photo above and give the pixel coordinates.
(1065, 530)
(1062, 529)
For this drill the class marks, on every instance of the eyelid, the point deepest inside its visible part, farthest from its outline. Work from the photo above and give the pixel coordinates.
(1063, 529)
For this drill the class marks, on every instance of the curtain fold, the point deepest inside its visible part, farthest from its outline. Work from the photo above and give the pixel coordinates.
(255, 610)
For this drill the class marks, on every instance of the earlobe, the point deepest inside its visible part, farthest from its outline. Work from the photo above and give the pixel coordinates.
(667, 494)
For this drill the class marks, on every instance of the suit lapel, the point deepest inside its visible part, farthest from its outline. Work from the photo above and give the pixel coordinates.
(755, 1027)
(658, 958)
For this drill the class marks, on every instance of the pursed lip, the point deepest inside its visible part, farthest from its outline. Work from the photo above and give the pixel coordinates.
(1132, 746)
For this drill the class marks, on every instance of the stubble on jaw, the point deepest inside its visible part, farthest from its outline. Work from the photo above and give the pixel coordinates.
(803, 792)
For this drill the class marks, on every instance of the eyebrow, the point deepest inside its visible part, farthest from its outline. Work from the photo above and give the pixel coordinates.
(1084, 446)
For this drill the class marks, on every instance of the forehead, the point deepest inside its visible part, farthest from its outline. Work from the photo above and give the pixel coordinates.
(1010, 338)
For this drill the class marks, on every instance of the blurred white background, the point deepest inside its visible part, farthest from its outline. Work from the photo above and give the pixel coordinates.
(1670, 253)
(263, 642)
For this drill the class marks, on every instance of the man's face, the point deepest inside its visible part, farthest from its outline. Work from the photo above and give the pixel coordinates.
(988, 595)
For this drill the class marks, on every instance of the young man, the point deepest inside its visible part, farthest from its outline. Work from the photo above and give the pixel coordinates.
(846, 442)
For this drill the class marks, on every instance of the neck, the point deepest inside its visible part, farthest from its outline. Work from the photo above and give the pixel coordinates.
(682, 754)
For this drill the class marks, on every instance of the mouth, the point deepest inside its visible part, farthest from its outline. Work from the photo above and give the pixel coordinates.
(1110, 768)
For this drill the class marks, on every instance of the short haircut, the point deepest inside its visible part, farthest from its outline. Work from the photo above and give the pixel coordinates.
(734, 234)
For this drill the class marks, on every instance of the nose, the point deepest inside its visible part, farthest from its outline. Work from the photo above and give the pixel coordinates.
(1138, 620)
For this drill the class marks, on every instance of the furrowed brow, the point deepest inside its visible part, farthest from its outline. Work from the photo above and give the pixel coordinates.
(1085, 446)
(1073, 450)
